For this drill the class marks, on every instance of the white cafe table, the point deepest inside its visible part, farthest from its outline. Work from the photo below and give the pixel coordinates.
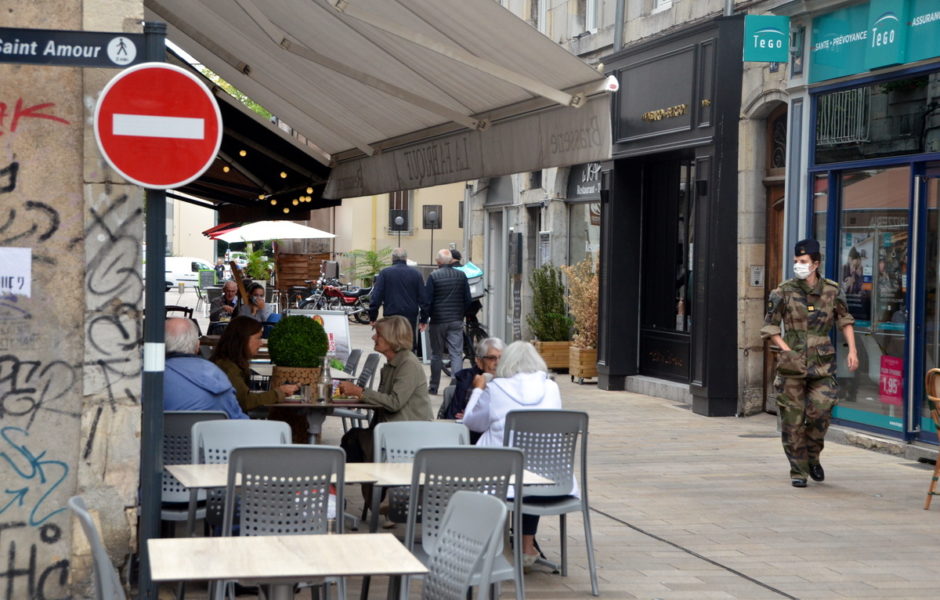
(281, 560)
(196, 476)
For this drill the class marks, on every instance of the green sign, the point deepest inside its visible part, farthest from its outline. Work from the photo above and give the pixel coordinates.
(869, 36)
(923, 40)
(765, 38)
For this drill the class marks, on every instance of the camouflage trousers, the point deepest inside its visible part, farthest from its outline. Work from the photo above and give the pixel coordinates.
(805, 407)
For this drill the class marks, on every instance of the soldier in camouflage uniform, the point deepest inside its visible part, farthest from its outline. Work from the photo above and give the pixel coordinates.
(808, 306)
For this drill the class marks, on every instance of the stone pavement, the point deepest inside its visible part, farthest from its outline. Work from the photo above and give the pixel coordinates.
(685, 506)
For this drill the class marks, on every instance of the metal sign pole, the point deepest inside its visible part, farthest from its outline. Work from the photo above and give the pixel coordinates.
(151, 435)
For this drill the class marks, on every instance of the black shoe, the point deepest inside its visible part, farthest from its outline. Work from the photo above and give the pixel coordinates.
(816, 472)
(798, 482)
(432, 392)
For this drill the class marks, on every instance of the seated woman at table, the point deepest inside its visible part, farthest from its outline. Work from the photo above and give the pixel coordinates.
(239, 343)
(256, 307)
(403, 387)
(521, 383)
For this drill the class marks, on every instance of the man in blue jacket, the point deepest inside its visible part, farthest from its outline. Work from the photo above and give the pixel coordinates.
(191, 382)
(397, 289)
(445, 301)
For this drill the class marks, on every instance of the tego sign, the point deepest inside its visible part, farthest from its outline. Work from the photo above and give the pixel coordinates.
(158, 125)
(766, 38)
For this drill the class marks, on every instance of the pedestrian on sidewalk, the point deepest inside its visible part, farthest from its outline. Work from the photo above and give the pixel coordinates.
(809, 306)
(445, 301)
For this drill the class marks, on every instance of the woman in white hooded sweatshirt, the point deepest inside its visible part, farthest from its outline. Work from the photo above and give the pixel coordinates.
(521, 383)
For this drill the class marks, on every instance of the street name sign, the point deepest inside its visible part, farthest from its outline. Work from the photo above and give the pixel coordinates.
(158, 125)
(70, 48)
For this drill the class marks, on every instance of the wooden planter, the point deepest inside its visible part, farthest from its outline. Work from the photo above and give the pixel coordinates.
(555, 354)
(281, 375)
(582, 363)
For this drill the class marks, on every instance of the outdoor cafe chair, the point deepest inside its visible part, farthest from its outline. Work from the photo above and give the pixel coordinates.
(368, 370)
(550, 441)
(177, 449)
(213, 441)
(439, 473)
(352, 417)
(107, 582)
(469, 535)
(933, 396)
(399, 441)
(285, 490)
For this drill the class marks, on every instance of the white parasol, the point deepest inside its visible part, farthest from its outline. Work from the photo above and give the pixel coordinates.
(272, 230)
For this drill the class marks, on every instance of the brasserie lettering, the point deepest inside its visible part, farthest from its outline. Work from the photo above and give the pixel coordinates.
(576, 139)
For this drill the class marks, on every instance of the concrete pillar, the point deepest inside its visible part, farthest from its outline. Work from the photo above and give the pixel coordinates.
(70, 352)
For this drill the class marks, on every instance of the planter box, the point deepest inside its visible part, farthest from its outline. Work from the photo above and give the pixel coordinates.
(555, 354)
(280, 375)
(582, 363)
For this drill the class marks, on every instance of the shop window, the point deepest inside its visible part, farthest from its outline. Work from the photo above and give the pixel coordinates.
(400, 212)
(584, 230)
(660, 5)
(887, 118)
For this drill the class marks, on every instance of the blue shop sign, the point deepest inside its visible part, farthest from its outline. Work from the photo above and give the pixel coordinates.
(868, 36)
(766, 38)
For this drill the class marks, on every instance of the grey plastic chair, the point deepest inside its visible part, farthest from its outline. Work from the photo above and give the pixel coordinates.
(177, 449)
(440, 472)
(368, 370)
(469, 535)
(398, 441)
(284, 490)
(352, 361)
(447, 396)
(550, 441)
(107, 583)
(213, 441)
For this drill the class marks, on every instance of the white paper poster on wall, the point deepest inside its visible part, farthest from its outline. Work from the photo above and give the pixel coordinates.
(16, 271)
(336, 325)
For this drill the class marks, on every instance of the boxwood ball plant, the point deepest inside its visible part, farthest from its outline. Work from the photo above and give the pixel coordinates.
(297, 341)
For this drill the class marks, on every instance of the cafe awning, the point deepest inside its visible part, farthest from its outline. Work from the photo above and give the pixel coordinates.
(400, 94)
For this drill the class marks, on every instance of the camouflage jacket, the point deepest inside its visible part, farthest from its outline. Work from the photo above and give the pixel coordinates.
(808, 315)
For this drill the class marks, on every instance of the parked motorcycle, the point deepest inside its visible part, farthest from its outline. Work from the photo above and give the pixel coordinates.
(354, 301)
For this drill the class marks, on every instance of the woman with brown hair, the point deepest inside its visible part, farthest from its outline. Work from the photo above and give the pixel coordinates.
(239, 343)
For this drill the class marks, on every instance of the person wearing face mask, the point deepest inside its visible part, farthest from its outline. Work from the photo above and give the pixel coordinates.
(808, 306)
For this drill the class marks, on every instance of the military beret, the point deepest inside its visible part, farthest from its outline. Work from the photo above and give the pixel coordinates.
(806, 247)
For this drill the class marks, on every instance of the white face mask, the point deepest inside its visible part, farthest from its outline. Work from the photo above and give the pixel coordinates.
(802, 270)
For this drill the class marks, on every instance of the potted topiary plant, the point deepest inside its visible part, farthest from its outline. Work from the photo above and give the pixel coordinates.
(297, 345)
(549, 320)
(582, 299)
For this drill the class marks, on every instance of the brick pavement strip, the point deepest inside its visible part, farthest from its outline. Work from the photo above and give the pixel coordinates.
(692, 507)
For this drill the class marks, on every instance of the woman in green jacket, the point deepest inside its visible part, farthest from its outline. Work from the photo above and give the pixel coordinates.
(403, 387)
(239, 343)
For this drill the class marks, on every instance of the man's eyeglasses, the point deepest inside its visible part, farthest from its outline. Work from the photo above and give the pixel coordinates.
(490, 357)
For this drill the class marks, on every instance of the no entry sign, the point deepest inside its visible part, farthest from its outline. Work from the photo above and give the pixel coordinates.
(158, 125)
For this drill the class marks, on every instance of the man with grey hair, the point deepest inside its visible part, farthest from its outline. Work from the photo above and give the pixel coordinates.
(191, 382)
(488, 352)
(397, 289)
(445, 302)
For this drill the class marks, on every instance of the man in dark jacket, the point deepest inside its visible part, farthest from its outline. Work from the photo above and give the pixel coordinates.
(446, 298)
(397, 289)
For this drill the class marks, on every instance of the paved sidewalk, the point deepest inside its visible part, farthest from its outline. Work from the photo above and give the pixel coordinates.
(685, 506)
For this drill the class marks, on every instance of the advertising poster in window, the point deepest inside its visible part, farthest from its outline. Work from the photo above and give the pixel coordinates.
(856, 279)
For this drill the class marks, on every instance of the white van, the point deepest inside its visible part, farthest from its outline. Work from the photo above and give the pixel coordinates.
(185, 269)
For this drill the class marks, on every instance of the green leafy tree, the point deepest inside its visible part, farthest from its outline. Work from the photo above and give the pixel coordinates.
(367, 264)
(549, 320)
(258, 266)
(234, 92)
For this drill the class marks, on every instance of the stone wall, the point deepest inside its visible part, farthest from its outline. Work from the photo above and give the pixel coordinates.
(70, 353)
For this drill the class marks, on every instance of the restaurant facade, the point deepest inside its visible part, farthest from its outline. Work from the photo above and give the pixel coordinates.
(668, 234)
(867, 186)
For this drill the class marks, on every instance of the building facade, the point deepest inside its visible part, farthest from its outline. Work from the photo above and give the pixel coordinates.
(864, 95)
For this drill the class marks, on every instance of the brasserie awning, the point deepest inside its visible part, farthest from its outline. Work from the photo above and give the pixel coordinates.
(400, 94)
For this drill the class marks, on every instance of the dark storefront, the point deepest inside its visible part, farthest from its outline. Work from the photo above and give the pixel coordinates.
(669, 216)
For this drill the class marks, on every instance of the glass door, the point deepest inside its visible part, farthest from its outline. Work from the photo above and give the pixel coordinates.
(927, 188)
(872, 254)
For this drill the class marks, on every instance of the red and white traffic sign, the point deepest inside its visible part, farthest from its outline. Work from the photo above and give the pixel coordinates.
(158, 125)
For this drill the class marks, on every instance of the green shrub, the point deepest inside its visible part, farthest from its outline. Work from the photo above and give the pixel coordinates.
(297, 341)
(549, 318)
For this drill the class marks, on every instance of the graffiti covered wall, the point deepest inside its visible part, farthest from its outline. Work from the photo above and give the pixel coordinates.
(70, 349)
